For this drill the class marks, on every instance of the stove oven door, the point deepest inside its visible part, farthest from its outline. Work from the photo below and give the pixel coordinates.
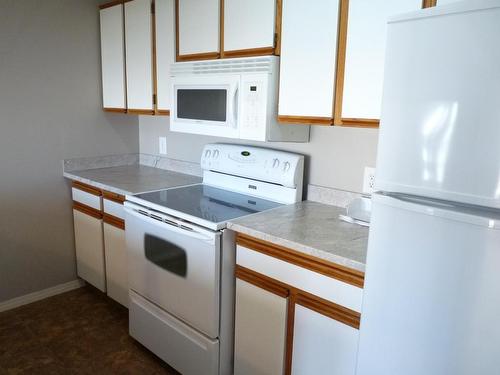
(175, 265)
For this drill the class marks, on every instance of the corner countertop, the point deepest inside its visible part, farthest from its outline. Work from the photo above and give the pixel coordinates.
(311, 228)
(132, 179)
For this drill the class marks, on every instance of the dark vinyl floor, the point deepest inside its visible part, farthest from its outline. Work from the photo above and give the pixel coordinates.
(78, 332)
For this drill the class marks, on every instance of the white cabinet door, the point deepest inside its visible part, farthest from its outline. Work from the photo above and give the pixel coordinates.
(198, 26)
(308, 58)
(322, 345)
(365, 54)
(116, 263)
(165, 51)
(139, 54)
(112, 58)
(249, 24)
(89, 249)
(260, 331)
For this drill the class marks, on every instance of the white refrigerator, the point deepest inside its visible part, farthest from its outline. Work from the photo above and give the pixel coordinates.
(432, 289)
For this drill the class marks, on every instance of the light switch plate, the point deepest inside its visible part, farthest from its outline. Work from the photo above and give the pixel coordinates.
(369, 180)
(162, 147)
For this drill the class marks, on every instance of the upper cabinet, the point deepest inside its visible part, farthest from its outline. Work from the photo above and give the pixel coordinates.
(198, 24)
(249, 27)
(332, 59)
(308, 57)
(164, 52)
(139, 54)
(363, 72)
(113, 58)
(137, 49)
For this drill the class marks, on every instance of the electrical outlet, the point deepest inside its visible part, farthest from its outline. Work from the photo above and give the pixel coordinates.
(162, 145)
(369, 180)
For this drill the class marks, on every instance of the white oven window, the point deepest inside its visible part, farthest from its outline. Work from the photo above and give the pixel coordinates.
(202, 104)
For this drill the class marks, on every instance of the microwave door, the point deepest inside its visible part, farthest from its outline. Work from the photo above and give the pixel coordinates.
(207, 108)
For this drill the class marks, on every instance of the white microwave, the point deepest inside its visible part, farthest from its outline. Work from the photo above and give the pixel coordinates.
(232, 98)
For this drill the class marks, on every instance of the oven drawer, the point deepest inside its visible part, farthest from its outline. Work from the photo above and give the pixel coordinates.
(171, 340)
(176, 265)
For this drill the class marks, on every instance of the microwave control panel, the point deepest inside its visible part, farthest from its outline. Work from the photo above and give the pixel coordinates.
(253, 107)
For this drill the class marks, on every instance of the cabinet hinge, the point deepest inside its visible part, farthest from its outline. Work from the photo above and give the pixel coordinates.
(154, 99)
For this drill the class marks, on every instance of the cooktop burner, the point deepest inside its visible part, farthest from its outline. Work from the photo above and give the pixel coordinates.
(206, 202)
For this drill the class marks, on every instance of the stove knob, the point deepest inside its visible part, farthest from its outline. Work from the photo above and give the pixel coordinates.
(276, 163)
(286, 166)
(207, 153)
(216, 154)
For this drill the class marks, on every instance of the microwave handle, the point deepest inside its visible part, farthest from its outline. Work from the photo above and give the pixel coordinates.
(235, 107)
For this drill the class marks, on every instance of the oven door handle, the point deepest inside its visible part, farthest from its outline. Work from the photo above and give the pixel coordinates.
(185, 230)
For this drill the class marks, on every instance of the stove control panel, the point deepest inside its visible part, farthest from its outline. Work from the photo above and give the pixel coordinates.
(257, 163)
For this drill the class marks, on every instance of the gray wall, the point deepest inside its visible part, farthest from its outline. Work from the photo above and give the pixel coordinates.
(49, 110)
(336, 156)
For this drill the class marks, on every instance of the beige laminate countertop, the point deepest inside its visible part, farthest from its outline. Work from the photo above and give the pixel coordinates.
(311, 228)
(132, 179)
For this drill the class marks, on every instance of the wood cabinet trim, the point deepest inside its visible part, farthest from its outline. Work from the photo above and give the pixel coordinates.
(115, 197)
(221, 28)
(86, 188)
(429, 3)
(114, 110)
(333, 270)
(176, 11)
(290, 327)
(141, 111)
(341, 57)
(199, 56)
(358, 122)
(91, 211)
(262, 281)
(277, 27)
(114, 221)
(162, 112)
(111, 4)
(263, 51)
(332, 310)
(153, 51)
(306, 120)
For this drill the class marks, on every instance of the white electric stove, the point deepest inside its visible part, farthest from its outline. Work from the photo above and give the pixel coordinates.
(181, 257)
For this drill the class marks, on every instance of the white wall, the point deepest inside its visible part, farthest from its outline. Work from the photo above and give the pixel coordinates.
(50, 109)
(336, 156)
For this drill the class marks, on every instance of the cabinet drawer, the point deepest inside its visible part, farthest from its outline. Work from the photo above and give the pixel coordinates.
(323, 286)
(86, 198)
(113, 208)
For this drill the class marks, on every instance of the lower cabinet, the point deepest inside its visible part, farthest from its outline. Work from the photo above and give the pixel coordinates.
(294, 314)
(322, 345)
(260, 330)
(89, 248)
(99, 227)
(116, 263)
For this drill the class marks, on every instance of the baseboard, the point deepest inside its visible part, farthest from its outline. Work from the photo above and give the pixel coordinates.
(42, 294)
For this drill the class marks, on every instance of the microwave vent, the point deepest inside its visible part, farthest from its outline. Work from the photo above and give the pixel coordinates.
(266, 64)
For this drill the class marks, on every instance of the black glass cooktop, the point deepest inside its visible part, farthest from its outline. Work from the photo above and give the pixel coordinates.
(208, 203)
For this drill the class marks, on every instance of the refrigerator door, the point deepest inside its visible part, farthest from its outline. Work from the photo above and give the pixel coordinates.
(440, 122)
(431, 303)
